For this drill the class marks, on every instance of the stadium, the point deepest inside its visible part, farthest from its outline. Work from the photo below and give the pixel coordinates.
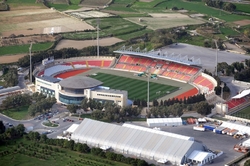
(120, 80)
(171, 76)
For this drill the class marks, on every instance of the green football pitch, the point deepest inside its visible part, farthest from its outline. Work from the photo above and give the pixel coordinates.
(137, 89)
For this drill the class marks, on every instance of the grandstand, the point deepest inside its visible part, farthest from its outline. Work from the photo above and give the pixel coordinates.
(170, 66)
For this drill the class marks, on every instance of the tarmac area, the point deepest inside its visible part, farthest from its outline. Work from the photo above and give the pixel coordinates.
(213, 141)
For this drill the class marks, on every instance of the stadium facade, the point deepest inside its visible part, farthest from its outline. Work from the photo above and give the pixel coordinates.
(74, 89)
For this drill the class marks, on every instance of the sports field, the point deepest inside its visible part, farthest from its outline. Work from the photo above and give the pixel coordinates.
(137, 89)
(244, 113)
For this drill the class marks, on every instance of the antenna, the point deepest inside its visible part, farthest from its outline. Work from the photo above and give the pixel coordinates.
(97, 38)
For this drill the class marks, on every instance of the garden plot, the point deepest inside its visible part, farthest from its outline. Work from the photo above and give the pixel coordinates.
(242, 22)
(89, 14)
(160, 21)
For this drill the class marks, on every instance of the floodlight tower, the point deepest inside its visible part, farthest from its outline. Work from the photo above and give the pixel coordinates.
(148, 72)
(30, 63)
(97, 37)
(216, 65)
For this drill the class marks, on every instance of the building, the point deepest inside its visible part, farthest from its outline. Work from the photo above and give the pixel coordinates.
(142, 143)
(158, 122)
(74, 89)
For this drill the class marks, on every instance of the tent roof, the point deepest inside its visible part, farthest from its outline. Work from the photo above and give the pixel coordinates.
(241, 128)
(158, 131)
(242, 94)
(163, 120)
(146, 144)
(72, 128)
(199, 155)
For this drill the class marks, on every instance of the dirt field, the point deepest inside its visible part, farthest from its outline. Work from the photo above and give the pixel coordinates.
(160, 21)
(86, 43)
(242, 22)
(34, 21)
(10, 59)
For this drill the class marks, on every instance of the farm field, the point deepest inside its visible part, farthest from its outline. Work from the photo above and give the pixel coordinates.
(79, 44)
(35, 21)
(160, 21)
(137, 89)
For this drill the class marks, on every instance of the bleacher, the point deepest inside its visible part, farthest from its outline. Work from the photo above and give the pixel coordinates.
(202, 81)
(159, 67)
(55, 69)
(235, 102)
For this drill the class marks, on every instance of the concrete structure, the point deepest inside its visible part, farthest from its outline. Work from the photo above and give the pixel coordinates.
(74, 89)
(142, 143)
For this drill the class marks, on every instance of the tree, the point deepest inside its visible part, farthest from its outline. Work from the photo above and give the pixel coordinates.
(97, 114)
(229, 7)
(72, 108)
(2, 127)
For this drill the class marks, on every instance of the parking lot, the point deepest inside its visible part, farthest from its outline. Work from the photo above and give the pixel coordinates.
(212, 140)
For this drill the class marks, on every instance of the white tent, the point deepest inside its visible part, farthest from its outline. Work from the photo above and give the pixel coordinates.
(240, 128)
(156, 122)
(72, 128)
(136, 142)
(246, 143)
(201, 157)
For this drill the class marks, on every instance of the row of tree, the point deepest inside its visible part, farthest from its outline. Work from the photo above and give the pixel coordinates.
(16, 101)
(177, 109)
(220, 5)
(61, 54)
(188, 100)
(11, 133)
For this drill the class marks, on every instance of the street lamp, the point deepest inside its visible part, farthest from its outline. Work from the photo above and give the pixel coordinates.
(30, 63)
(222, 86)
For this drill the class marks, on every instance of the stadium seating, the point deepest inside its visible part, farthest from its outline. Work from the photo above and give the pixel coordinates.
(235, 102)
(55, 69)
(202, 81)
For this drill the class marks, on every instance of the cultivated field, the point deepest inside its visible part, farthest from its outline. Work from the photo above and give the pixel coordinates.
(11, 59)
(34, 21)
(161, 20)
(137, 89)
(79, 44)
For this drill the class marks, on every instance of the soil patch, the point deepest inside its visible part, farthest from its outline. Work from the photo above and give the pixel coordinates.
(11, 59)
(145, 0)
(242, 22)
(86, 43)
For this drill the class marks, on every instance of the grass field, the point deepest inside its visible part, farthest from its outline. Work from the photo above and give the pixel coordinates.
(244, 113)
(137, 89)
(18, 114)
(32, 153)
(228, 31)
(243, 7)
(9, 50)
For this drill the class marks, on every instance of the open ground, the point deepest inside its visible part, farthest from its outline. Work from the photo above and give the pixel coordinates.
(160, 20)
(79, 44)
(34, 21)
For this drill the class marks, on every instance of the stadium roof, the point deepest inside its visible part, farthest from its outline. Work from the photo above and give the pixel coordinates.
(159, 55)
(133, 141)
(242, 94)
(80, 82)
(49, 79)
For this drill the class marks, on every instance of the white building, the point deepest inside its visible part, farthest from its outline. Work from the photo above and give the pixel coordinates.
(74, 89)
(157, 122)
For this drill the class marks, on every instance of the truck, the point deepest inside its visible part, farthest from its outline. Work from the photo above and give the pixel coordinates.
(240, 148)
(207, 127)
(232, 132)
(225, 131)
(198, 128)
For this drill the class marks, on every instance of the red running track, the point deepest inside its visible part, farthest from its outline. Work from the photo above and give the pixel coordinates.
(187, 94)
(71, 73)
